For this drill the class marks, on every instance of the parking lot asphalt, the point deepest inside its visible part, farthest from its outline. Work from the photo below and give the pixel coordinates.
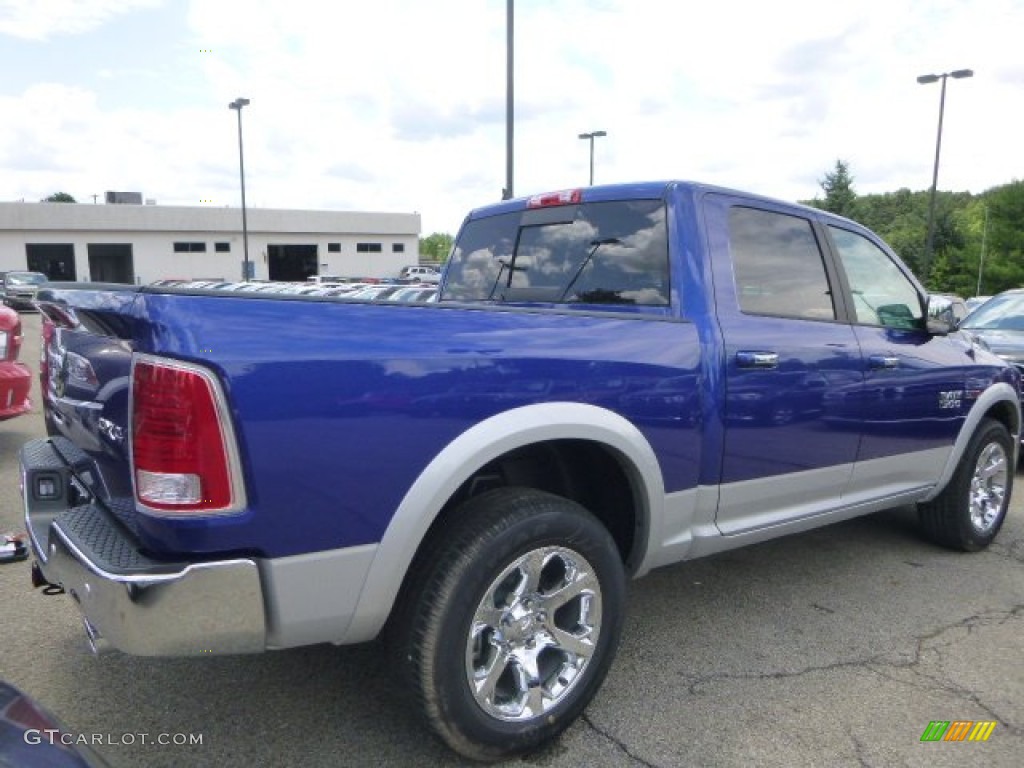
(832, 648)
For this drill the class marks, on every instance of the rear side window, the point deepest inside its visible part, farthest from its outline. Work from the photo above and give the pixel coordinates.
(595, 253)
(778, 266)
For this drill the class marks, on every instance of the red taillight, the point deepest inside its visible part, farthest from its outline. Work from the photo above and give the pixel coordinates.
(16, 339)
(548, 199)
(180, 443)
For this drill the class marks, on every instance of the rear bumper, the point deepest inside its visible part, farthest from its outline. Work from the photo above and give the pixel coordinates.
(135, 603)
(15, 382)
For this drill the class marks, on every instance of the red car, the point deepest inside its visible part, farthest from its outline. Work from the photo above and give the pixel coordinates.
(15, 377)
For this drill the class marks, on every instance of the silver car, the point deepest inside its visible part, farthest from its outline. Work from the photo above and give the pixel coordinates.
(19, 288)
(999, 323)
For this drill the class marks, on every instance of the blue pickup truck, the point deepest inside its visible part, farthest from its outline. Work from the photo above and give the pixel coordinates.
(614, 379)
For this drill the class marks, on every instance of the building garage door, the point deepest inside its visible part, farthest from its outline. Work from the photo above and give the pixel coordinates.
(111, 263)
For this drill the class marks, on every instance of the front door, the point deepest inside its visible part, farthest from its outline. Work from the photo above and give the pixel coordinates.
(915, 396)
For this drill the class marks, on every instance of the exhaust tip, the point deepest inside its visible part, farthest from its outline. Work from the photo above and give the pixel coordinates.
(98, 644)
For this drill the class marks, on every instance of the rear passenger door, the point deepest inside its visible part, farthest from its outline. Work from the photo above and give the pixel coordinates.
(789, 356)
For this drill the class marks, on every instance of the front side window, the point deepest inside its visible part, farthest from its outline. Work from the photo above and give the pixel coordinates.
(778, 265)
(882, 294)
(593, 253)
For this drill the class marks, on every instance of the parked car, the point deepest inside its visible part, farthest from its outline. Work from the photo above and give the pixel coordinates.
(374, 292)
(31, 737)
(19, 288)
(999, 323)
(318, 279)
(976, 301)
(15, 377)
(423, 274)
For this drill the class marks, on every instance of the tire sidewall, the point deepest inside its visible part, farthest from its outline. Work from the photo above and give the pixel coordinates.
(567, 528)
(990, 432)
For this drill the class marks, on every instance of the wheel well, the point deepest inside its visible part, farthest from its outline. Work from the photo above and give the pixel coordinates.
(591, 474)
(1005, 413)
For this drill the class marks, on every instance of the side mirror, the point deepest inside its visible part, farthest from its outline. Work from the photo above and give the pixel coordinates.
(941, 320)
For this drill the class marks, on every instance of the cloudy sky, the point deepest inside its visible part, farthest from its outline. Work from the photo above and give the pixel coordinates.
(399, 105)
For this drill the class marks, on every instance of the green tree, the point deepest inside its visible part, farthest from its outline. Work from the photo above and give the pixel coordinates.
(59, 197)
(965, 225)
(838, 188)
(436, 247)
(1004, 244)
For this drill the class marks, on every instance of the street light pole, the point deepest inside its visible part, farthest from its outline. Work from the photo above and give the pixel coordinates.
(237, 105)
(510, 101)
(925, 80)
(590, 137)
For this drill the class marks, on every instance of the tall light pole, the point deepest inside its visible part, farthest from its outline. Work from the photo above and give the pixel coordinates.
(237, 105)
(925, 80)
(590, 137)
(510, 101)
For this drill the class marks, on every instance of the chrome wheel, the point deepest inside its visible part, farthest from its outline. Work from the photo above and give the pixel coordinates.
(988, 487)
(509, 620)
(533, 633)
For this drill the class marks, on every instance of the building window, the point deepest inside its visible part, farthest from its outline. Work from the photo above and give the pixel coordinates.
(398, 247)
(334, 247)
(222, 247)
(368, 248)
(190, 247)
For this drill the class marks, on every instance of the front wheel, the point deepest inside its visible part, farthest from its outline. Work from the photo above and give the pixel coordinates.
(970, 510)
(511, 621)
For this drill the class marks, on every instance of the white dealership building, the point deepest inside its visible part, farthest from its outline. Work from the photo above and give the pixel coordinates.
(135, 243)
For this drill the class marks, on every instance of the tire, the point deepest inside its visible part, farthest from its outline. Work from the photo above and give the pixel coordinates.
(970, 510)
(500, 657)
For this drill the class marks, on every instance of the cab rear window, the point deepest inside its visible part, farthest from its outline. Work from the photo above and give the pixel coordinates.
(593, 253)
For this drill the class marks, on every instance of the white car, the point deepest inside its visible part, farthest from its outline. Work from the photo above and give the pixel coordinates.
(423, 274)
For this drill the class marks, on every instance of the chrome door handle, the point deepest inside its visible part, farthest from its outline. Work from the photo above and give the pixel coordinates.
(757, 360)
(884, 361)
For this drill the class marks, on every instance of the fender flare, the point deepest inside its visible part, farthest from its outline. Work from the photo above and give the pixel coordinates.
(999, 392)
(473, 449)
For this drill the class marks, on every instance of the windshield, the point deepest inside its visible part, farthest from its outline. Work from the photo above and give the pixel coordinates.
(1003, 313)
(594, 253)
(25, 278)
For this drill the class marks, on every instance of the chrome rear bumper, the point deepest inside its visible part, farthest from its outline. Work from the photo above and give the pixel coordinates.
(135, 603)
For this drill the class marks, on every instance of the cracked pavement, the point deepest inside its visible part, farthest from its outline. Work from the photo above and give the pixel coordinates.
(831, 648)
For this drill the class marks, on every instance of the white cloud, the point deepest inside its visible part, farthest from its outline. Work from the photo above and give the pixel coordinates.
(45, 19)
(399, 105)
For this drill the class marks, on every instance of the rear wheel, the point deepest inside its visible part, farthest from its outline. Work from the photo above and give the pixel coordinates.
(969, 512)
(511, 621)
